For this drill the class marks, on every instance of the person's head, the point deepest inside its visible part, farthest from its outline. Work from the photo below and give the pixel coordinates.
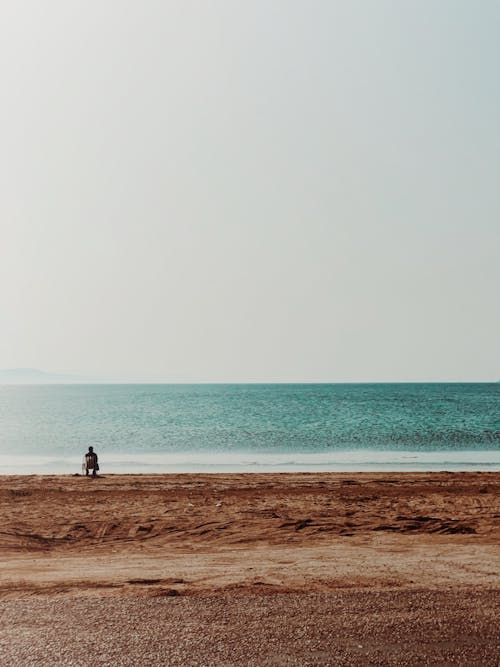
(91, 449)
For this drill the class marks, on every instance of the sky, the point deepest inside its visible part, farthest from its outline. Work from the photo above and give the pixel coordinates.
(265, 190)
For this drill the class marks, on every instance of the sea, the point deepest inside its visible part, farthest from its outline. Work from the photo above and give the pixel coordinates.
(158, 428)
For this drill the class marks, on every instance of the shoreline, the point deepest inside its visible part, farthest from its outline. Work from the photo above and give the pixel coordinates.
(234, 462)
(246, 473)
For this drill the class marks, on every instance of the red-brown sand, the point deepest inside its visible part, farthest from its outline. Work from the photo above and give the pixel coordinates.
(413, 558)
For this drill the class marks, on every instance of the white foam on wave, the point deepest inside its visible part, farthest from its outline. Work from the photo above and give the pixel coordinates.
(338, 460)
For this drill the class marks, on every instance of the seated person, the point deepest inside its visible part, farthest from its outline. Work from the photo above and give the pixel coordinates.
(90, 462)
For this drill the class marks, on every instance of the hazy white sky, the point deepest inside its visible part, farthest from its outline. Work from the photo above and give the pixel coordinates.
(258, 190)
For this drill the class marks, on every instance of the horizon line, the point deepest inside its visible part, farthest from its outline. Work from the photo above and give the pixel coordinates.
(244, 382)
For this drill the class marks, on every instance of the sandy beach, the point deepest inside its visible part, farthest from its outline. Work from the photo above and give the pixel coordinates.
(241, 569)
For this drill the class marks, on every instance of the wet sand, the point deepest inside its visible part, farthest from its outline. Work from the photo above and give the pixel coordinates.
(410, 560)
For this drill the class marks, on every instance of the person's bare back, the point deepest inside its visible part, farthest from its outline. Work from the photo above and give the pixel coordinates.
(91, 462)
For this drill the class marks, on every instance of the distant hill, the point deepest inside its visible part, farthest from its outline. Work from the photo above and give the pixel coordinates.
(35, 376)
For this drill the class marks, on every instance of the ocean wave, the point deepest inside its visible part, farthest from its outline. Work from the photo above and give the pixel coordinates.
(346, 460)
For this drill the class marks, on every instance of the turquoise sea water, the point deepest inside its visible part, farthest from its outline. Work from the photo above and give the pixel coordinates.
(161, 428)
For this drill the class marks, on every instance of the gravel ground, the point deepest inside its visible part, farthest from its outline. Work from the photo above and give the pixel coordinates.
(338, 628)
